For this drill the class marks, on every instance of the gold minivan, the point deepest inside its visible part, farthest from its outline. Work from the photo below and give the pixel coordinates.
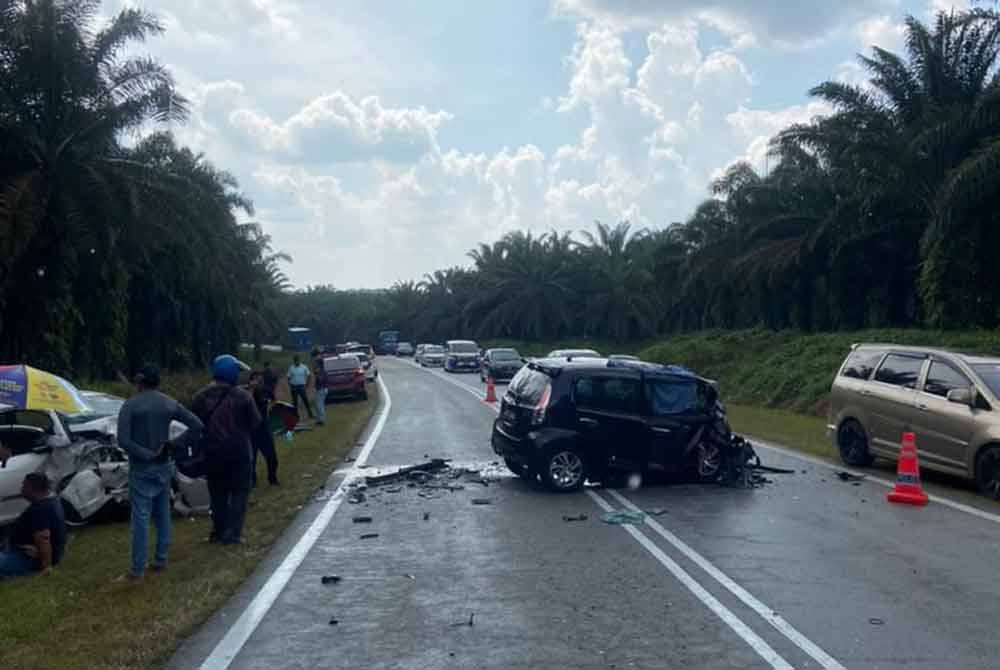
(950, 400)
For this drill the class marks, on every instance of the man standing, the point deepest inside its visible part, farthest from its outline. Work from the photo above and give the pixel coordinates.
(39, 535)
(319, 376)
(298, 377)
(144, 433)
(230, 416)
(263, 437)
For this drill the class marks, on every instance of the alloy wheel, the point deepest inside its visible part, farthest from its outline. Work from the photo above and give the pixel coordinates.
(709, 460)
(566, 469)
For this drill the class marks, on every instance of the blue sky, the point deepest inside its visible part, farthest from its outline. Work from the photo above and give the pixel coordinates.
(382, 139)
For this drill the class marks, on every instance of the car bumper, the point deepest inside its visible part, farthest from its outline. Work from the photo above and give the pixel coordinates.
(432, 362)
(344, 391)
(469, 366)
(509, 447)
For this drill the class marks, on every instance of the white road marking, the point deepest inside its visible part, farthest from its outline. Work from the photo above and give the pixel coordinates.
(231, 644)
(757, 643)
(947, 502)
(768, 614)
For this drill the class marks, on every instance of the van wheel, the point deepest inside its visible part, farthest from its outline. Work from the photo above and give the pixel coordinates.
(988, 472)
(853, 444)
(563, 470)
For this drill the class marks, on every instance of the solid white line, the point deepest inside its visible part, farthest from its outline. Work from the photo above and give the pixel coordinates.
(947, 502)
(763, 649)
(768, 614)
(231, 644)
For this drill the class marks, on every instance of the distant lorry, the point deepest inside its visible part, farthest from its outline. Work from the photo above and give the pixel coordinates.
(387, 341)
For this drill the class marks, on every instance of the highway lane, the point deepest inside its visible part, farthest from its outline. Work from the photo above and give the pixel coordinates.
(806, 572)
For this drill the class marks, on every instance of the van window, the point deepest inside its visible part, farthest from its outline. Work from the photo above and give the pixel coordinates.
(670, 397)
(942, 378)
(608, 394)
(861, 363)
(900, 370)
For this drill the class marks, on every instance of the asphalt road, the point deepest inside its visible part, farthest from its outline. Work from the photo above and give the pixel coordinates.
(806, 572)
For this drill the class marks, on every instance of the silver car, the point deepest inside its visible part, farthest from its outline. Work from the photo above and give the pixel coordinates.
(431, 356)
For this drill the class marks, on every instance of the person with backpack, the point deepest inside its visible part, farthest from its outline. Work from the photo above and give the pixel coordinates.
(144, 433)
(230, 416)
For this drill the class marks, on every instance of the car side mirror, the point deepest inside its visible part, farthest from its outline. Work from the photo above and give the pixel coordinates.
(961, 396)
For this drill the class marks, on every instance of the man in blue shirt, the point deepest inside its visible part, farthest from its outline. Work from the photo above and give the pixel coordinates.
(298, 377)
(39, 535)
(144, 432)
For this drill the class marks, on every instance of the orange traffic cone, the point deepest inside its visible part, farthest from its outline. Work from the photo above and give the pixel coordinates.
(908, 489)
(491, 392)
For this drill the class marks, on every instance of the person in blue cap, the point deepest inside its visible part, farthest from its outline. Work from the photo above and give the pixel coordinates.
(230, 416)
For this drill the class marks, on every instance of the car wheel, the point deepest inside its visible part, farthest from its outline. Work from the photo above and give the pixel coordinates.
(563, 470)
(708, 460)
(72, 517)
(988, 472)
(853, 444)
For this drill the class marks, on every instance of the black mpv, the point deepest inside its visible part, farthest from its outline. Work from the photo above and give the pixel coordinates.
(573, 420)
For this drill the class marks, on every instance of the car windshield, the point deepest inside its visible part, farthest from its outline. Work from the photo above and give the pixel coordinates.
(463, 347)
(506, 355)
(433, 349)
(990, 374)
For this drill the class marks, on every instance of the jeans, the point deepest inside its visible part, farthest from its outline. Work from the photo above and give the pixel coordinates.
(149, 495)
(229, 509)
(320, 398)
(263, 442)
(299, 392)
(15, 563)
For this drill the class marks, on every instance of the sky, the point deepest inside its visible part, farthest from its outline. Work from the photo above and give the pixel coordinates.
(383, 139)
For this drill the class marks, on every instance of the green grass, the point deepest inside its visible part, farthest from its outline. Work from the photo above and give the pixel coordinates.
(805, 433)
(81, 618)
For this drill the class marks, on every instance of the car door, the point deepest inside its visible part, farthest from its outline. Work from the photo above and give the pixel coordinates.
(891, 400)
(608, 416)
(943, 428)
(24, 434)
(675, 412)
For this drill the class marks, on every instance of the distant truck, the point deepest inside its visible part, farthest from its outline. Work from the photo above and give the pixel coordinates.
(387, 341)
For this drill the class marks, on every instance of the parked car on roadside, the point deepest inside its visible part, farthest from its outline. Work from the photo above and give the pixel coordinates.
(461, 355)
(404, 349)
(569, 421)
(431, 356)
(500, 364)
(345, 377)
(573, 353)
(949, 400)
(371, 370)
(358, 348)
(623, 357)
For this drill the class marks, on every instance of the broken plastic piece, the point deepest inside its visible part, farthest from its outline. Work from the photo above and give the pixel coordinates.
(330, 579)
(623, 518)
(578, 517)
(656, 511)
(333, 622)
(482, 501)
(362, 519)
(369, 536)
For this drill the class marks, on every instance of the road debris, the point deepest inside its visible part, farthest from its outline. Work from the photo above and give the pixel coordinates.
(656, 511)
(411, 578)
(402, 474)
(471, 622)
(845, 476)
(362, 519)
(330, 579)
(482, 501)
(579, 517)
(356, 498)
(369, 536)
(427, 516)
(876, 622)
(334, 622)
(625, 517)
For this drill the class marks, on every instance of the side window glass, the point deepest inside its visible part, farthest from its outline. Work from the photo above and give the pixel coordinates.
(900, 370)
(861, 363)
(585, 393)
(942, 378)
(621, 395)
(674, 397)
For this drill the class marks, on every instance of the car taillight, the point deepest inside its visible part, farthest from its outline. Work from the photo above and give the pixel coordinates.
(538, 416)
(360, 372)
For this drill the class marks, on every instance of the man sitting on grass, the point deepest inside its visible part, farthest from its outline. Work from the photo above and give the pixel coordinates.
(39, 533)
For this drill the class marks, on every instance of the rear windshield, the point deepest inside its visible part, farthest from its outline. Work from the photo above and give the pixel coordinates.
(990, 374)
(334, 364)
(506, 355)
(528, 385)
(463, 347)
(861, 363)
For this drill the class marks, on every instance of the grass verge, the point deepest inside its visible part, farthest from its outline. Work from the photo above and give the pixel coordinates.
(81, 618)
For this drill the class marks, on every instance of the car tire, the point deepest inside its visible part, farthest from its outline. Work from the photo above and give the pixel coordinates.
(852, 443)
(708, 461)
(72, 517)
(563, 470)
(988, 471)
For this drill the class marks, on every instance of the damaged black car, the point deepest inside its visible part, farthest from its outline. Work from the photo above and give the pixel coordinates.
(569, 421)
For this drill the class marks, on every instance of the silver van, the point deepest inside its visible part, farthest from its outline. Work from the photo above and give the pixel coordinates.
(950, 400)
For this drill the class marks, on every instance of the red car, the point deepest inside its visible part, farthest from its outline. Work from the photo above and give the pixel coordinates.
(345, 377)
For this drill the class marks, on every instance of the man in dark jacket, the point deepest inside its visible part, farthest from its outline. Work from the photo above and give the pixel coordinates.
(144, 433)
(39, 535)
(230, 416)
(263, 437)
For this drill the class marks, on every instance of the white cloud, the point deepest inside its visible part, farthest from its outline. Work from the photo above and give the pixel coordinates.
(881, 31)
